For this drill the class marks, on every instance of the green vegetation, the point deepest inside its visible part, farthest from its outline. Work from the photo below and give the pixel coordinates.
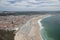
(6, 35)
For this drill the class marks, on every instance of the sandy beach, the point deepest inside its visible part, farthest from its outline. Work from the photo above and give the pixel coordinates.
(31, 30)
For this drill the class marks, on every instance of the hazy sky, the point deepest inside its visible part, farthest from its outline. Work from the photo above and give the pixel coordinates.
(29, 5)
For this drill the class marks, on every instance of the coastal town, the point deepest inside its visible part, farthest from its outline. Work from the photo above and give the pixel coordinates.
(21, 27)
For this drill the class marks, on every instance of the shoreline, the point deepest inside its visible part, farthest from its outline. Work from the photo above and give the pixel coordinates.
(40, 24)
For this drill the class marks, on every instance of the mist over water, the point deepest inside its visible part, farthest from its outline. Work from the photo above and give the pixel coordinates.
(51, 30)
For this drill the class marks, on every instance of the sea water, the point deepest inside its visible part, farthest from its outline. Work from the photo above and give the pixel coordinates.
(51, 28)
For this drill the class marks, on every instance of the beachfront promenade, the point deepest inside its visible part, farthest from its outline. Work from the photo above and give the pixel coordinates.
(30, 30)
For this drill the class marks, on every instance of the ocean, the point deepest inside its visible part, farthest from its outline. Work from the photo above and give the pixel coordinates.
(51, 28)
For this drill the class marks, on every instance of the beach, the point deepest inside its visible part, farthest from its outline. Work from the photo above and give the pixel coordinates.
(31, 30)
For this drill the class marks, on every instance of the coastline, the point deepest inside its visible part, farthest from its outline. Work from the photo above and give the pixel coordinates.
(40, 24)
(34, 33)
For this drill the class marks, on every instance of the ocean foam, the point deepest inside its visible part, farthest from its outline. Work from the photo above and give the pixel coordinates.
(40, 24)
(39, 21)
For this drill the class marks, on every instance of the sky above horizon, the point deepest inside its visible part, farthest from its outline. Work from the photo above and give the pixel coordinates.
(29, 5)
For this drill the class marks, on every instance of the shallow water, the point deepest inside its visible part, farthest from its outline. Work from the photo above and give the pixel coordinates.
(51, 30)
